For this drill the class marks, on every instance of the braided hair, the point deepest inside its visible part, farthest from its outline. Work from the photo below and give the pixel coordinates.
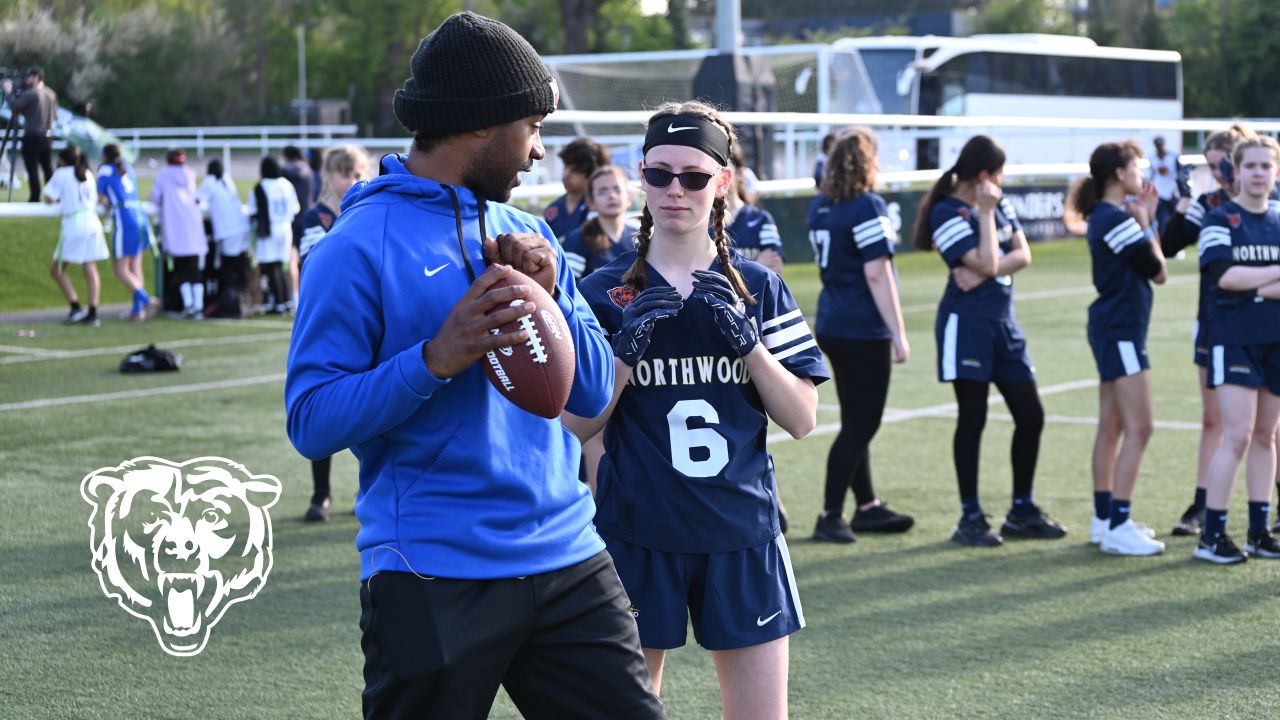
(637, 275)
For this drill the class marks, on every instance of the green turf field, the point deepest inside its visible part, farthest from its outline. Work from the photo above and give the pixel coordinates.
(899, 627)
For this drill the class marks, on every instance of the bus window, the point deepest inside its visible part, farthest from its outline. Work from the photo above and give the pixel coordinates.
(883, 67)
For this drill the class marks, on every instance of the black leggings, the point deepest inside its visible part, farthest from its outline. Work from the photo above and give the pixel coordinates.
(1028, 422)
(186, 268)
(862, 370)
(274, 272)
(320, 479)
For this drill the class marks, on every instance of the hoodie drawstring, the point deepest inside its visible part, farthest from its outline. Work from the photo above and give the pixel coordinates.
(457, 216)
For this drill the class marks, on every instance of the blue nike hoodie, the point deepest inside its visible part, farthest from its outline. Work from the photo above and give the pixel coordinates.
(455, 481)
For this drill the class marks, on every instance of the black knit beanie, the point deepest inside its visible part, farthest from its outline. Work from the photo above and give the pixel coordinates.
(471, 73)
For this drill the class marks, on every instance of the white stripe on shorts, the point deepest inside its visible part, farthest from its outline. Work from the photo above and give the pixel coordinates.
(791, 578)
(1219, 372)
(949, 347)
(1129, 356)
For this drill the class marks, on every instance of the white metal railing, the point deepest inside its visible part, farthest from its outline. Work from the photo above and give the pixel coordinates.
(225, 138)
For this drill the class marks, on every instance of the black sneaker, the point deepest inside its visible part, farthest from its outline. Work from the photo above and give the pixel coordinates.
(1035, 526)
(831, 527)
(1263, 545)
(880, 519)
(90, 321)
(1220, 552)
(1191, 522)
(75, 316)
(975, 531)
(318, 511)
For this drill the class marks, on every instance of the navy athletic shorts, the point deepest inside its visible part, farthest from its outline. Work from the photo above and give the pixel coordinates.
(982, 350)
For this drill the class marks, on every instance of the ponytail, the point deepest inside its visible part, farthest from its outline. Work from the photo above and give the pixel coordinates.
(70, 156)
(1084, 197)
(980, 154)
(638, 275)
(111, 156)
(923, 234)
(1106, 160)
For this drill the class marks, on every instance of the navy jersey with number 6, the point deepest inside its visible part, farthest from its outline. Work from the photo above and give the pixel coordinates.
(685, 466)
(1234, 235)
(1123, 307)
(845, 236)
(955, 232)
(753, 230)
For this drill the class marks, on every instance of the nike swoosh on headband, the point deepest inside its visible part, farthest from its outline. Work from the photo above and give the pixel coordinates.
(673, 128)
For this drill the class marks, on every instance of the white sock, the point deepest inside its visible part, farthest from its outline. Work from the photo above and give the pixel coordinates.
(197, 296)
(188, 296)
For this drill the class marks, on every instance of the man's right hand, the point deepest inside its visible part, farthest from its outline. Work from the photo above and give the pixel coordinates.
(465, 335)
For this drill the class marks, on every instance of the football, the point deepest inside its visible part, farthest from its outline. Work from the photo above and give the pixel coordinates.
(537, 374)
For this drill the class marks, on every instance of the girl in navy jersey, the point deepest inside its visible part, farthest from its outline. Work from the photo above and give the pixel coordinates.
(752, 230)
(974, 227)
(607, 235)
(709, 347)
(860, 328)
(1240, 253)
(342, 167)
(1126, 258)
(1184, 230)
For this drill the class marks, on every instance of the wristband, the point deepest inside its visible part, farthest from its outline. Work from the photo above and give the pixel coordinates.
(1148, 234)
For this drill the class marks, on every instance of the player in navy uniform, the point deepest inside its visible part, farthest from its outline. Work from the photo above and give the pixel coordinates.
(1126, 259)
(752, 230)
(709, 346)
(1240, 252)
(343, 167)
(118, 191)
(608, 234)
(580, 158)
(860, 328)
(1181, 231)
(974, 227)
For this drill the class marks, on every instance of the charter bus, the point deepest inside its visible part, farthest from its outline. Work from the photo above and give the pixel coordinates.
(1024, 76)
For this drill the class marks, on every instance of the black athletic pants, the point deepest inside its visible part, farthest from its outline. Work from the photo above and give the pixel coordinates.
(37, 154)
(274, 272)
(562, 643)
(1028, 421)
(862, 370)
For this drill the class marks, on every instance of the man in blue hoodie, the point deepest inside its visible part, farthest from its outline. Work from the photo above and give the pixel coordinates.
(479, 563)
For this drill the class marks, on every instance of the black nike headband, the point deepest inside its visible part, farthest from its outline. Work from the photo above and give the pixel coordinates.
(690, 131)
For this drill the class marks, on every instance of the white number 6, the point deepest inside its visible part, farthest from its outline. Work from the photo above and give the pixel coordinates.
(684, 439)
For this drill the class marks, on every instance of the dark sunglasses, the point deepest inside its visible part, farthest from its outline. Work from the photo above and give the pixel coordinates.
(690, 180)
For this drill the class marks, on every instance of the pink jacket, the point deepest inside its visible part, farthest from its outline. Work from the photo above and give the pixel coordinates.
(181, 225)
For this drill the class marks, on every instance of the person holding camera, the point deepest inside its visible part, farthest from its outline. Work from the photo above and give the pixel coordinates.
(38, 105)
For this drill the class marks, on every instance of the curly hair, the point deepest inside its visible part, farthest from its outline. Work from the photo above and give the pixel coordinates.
(637, 275)
(851, 165)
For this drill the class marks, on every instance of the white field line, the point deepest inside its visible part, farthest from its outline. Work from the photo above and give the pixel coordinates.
(142, 393)
(1093, 421)
(44, 354)
(1020, 296)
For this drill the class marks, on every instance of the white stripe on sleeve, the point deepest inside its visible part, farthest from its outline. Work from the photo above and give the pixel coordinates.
(781, 319)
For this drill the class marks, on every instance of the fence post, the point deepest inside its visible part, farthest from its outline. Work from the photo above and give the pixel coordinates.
(265, 148)
(200, 142)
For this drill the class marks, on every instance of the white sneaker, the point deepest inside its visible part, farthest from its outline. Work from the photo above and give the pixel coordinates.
(1098, 529)
(1129, 539)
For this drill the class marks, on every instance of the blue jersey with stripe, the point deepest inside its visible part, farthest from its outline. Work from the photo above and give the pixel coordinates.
(845, 236)
(753, 230)
(1240, 237)
(955, 232)
(685, 466)
(1197, 211)
(1123, 306)
(121, 189)
(563, 220)
(584, 260)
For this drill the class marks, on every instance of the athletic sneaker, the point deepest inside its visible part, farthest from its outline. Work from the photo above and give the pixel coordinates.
(975, 531)
(1035, 526)
(1129, 539)
(1099, 527)
(76, 316)
(1220, 552)
(831, 527)
(880, 519)
(90, 320)
(1263, 545)
(318, 512)
(1191, 522)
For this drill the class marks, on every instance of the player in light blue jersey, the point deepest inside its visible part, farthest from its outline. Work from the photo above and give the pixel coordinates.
(860, 329)
(973, 226)
(1126, 259)
(1240, 252)
(118, 191)
(709, 347)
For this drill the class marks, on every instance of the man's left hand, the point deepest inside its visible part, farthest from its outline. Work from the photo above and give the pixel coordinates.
(530, 253)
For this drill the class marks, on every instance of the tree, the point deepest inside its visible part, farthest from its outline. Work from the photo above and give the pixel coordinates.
(1027, 16)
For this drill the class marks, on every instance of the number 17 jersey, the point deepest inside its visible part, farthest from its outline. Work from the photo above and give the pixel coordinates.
(685, 468)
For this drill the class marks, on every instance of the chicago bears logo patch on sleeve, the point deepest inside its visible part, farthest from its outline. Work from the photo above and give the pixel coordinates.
(622, 295)
(963, 212)
(1234, 219)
